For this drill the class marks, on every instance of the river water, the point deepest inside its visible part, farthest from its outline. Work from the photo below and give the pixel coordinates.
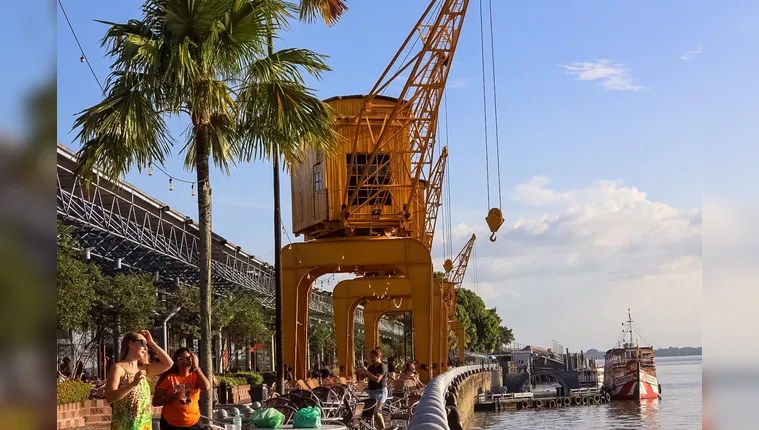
(679, 407)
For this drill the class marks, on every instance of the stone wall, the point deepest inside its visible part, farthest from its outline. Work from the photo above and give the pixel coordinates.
(468, 391)
(89, 412)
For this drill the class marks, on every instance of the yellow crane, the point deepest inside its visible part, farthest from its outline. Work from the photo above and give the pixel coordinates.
(432, 198)
(454, 274)
(376, 185)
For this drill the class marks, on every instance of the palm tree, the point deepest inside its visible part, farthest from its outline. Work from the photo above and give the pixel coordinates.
(330, 11)
(208, 60)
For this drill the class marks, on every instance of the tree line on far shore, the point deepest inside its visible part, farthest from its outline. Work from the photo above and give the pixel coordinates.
(672, 351)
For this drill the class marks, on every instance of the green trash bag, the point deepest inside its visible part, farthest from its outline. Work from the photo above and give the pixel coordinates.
(267, 418)
(308, 418)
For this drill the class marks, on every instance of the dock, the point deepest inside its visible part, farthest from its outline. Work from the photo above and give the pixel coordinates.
(495, 402)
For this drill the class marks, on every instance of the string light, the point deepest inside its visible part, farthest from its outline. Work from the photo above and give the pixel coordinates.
(150, 168)
(192, 190)
(171, 184)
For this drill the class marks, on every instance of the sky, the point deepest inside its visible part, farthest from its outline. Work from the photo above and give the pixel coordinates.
(615, 123)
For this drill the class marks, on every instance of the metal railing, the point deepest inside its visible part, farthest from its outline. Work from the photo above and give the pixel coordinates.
(430, 413)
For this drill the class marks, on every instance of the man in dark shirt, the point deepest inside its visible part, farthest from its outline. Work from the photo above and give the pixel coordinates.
(377, 387)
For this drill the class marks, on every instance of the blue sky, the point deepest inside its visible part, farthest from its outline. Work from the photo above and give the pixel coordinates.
(639, 114)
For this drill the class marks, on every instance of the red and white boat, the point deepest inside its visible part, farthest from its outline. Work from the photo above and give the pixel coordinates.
(630, 369)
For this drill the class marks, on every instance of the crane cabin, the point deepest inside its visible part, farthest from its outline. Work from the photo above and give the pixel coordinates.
(365, 187)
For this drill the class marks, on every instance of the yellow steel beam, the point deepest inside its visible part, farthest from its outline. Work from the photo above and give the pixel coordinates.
(349, 293)
(303, 262)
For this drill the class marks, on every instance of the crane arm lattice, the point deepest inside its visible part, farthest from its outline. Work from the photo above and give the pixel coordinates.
(415, 112)
(455, 275)
(432, 198)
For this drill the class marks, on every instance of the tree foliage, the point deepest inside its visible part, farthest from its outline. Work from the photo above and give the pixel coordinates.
(236, 315)
(125, 301)
(321, 338)
(248, 325)
(482, 326)
(76, 282)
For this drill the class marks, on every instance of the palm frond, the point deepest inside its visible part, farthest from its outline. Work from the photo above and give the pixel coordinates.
(192, 19)
(288, 117)
(223, 138)
(287, 65)
(121, 131)
(329, 11)
(236, 39)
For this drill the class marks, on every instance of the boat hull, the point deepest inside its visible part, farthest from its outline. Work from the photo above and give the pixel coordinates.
(634, 387)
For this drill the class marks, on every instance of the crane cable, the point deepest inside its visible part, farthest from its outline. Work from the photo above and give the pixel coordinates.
(494, 218)
(447, 184)
(495, 105)
(484, 102)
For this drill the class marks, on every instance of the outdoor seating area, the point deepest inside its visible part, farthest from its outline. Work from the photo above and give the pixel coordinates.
(343, 404)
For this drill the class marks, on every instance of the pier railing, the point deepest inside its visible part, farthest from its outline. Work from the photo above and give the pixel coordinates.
(430, 413)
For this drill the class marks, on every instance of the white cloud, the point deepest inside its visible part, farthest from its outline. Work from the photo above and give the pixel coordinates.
(571, 268)
(689, 54)
(612, 76)
(457, 83)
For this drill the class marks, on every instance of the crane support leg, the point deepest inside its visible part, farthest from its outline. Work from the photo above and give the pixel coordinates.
(303, 262)
(348, 294)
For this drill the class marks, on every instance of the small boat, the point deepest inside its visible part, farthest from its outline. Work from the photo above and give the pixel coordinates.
(630, 369)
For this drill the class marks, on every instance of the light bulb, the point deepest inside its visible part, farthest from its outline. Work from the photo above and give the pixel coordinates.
(338, 268)
(81, 59)
(171, 184)
(192, 190)
(308, 276)
(150, 168)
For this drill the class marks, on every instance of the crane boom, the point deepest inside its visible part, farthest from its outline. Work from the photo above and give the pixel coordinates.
(432, 198)
(456, 277)
(413, 116)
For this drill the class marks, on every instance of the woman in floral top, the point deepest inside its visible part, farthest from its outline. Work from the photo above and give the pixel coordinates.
(126, 388)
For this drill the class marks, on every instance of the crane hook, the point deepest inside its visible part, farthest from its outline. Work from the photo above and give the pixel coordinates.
(494, 220)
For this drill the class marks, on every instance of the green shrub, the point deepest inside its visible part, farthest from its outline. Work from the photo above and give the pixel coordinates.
(252, 378)
(231, 381)
(72, 392)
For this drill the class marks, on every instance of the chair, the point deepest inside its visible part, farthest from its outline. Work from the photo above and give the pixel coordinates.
(367, 414)
(312, 383)
(278, 401)
(303, 399)
(287, 411)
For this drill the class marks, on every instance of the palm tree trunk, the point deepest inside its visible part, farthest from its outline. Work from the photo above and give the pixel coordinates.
(278, 340)
(204, 263)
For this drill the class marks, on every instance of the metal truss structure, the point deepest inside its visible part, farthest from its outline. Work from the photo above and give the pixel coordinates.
(127, 229)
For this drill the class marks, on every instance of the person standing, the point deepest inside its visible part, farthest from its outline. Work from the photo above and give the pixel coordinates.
(178, 391)
(376, 373)
(126, 387)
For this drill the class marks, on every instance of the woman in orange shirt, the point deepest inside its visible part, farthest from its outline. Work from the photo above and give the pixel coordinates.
(178, 391)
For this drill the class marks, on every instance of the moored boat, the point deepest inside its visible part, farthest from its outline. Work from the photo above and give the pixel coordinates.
(630, 369)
